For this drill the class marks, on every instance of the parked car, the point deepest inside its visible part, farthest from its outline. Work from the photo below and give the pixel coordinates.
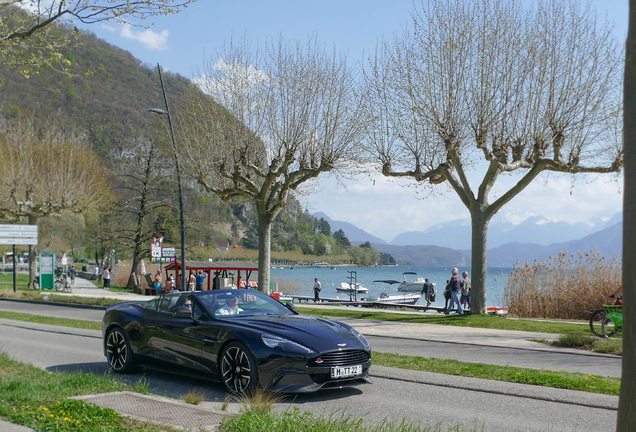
(241, 338)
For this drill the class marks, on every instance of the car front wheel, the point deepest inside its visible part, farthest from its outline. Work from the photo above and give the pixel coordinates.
(118, 351)
(238, 369)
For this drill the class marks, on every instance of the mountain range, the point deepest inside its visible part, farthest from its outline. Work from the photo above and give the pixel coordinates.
(448, 243)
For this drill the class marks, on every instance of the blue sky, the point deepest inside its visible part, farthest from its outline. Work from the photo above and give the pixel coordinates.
(182, 43)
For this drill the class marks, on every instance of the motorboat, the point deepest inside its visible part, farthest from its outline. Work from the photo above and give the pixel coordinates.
(411, 283)
(349, 288)
(390, 295)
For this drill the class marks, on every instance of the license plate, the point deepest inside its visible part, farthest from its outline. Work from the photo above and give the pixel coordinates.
(346, 371)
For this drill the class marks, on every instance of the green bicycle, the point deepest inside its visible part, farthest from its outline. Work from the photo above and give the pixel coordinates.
(608, 321)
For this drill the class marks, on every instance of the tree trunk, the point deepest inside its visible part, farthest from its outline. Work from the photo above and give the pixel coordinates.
(627, 400)
(478, 262)
(264, 252)
(33, 220)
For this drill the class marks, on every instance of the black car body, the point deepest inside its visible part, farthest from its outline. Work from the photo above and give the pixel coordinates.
(265, 344)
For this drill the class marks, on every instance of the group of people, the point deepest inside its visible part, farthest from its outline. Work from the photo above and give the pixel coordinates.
(457, 292)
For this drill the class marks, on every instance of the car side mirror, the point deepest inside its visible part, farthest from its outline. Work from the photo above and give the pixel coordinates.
(290, 306)
(182, 312)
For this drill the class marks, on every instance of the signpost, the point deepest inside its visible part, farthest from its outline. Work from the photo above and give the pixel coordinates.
(47, 270)
(18, 235)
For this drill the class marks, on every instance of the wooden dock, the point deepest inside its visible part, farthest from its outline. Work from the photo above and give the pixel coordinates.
(367, 304)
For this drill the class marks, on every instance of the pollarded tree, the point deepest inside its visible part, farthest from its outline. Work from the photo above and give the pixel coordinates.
(28, 39)
(283, 115)
(486, 84)
(47, 171)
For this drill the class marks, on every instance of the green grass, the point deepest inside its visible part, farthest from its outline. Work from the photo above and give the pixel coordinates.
(38, 399)
(66, 322)
(294, 421)
(546, 378)
(612, 345)
(466, 320)
(6, 281)
(54, 296)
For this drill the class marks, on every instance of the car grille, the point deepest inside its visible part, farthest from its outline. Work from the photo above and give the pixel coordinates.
(340, 358)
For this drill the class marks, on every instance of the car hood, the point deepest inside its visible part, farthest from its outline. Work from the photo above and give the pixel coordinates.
(316, 333)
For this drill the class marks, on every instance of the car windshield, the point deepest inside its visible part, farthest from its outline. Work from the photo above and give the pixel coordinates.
(232, 303)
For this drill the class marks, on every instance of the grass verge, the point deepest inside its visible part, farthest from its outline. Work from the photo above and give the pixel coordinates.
(466, 320)
(546, 378)
(37, 295)
(589, 343)
(295, 421)
(38, 399)
(66, 322)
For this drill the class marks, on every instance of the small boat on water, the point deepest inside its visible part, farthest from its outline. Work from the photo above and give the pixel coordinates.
(349, 288)
(390, 295)
(411, 283)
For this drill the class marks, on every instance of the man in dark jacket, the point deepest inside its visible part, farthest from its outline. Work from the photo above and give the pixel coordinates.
(428, 291)
(456, 292)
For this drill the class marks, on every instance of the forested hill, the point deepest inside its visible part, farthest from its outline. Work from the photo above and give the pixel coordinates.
(107, 95)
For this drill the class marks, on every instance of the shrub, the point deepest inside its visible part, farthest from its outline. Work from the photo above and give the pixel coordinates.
(568, 287)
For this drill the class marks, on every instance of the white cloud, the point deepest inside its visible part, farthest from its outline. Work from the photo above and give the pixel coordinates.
(148, 38)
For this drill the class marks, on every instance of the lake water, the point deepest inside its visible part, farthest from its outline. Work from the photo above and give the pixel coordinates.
(301, 280)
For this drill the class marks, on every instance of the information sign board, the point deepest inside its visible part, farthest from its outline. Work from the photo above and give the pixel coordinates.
(19, 234)
(47, 270)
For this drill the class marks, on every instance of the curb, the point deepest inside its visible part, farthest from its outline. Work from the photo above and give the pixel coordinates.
(550, 394)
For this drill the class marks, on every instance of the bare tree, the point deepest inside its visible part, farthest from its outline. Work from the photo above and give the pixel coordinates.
(485, 84)
(29, 40)
(627, 400)
(47, 171)
(280, 117)
(141, 181)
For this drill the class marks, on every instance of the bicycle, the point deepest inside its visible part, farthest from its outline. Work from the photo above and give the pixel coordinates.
(608, 321)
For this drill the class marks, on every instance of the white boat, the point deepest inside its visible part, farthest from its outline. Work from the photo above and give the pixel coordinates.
(389, 295)
(348, 288)
(411, 283)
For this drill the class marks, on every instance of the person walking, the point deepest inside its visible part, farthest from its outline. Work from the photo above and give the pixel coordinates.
(106, 277)
(317, 289)
(428, 291)
(465, 291)
(447, 294)
(456, 291)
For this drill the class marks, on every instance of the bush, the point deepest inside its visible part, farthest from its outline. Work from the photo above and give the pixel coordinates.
(562, 287)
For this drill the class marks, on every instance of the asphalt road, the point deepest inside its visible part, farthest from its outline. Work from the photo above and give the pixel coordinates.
(411, 396)
(570, 360)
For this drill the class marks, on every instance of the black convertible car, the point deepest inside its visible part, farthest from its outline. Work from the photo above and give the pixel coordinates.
(242, 338)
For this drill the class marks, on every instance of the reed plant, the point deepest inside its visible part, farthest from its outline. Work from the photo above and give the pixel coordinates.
(563, 286)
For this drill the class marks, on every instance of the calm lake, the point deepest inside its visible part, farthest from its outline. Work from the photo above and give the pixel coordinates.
(300, 280)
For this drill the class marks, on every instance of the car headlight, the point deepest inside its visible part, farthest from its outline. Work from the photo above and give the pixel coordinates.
(286, 345)
(361, 338)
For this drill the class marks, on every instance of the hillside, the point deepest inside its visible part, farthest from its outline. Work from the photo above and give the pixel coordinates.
(424, 255)
(107, 97)
(608, 242)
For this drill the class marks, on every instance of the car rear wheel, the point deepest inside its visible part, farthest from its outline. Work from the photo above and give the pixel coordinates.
(118, 351)
(238, 369)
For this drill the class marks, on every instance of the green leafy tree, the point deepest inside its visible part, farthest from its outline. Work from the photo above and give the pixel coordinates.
(29, 40)
(341, 239)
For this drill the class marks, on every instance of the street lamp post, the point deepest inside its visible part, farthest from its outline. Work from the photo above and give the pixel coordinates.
(176, 163)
